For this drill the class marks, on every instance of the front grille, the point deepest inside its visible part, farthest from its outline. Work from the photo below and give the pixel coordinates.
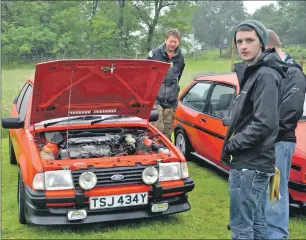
(132, 175)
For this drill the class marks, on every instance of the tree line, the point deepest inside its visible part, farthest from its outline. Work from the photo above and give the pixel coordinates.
(42, 30)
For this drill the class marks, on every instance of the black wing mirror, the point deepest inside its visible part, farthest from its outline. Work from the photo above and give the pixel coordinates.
(153, 116)
(12, 123)
(226, 121)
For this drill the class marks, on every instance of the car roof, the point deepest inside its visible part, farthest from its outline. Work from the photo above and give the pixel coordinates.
(228, 78)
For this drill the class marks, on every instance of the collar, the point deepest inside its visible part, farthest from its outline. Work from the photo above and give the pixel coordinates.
(285, 58)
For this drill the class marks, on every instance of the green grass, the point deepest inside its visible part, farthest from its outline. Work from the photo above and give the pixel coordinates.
(12, 83)
(195, 67)
(209, 200)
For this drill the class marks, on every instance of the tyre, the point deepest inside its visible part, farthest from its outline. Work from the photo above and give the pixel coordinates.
(182, 143)
(21, 200)
(12, 155)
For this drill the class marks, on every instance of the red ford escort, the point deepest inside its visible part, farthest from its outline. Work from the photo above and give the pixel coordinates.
(86, 152)
(199, 131)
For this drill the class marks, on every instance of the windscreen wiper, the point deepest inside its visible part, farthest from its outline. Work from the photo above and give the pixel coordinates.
(71, 119)
(108, 118)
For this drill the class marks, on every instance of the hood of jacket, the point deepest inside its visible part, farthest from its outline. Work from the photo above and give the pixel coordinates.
(291, 61)
(268, 58)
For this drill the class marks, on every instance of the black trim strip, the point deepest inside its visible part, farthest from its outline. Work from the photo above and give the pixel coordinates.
(300, 187)
(188, 186)
(214, 134)
(39, 199)
(296, 167)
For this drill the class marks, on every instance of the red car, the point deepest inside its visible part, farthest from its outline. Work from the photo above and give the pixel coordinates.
(86, 152)
(199, 131)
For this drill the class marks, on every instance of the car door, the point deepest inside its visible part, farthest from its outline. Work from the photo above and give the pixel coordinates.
(190, 110)
(217, 107)
(17, 135)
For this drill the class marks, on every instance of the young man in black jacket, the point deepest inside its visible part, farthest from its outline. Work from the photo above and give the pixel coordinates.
(166, 101)
(250, 140)
(291, 110)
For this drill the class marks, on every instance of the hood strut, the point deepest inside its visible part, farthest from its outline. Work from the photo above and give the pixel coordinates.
(67, 132)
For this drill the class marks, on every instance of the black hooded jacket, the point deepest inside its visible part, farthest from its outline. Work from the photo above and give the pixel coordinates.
(292, 102)
(169, 90)
(250, 138)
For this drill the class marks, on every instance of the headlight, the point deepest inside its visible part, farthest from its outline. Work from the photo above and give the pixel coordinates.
(88, 180)
(169, 171)
(184, 167)
(39, 181)
(58, 180)
(150, 175)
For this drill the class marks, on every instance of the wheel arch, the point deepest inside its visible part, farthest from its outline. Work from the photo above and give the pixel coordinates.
(181, 127)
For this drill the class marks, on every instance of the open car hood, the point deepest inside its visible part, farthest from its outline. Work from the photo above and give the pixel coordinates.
(82, 87)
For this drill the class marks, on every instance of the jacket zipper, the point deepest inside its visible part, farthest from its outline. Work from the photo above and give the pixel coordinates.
(166, 87)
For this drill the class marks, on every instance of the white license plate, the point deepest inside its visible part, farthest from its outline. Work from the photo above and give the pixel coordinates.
(123, 200)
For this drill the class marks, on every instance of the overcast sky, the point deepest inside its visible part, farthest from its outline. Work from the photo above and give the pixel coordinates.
(252, 6)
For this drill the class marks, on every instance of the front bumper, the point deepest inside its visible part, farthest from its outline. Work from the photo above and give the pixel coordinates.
(38, 213)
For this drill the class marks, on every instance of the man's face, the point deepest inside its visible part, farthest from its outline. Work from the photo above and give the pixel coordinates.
(248, 45)
(172, 43)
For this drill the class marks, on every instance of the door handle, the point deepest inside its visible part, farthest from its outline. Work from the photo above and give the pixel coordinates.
(203, 120)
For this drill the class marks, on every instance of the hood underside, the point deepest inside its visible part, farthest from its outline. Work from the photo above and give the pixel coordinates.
(83, 87)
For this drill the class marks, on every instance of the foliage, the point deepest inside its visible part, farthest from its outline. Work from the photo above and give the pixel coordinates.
(35, 31)
(214, 22)
(287, 19)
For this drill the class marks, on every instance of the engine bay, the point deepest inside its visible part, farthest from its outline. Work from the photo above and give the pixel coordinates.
(98, 143)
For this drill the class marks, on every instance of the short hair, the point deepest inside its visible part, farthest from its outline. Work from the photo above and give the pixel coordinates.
(274, 40)
(173, 32)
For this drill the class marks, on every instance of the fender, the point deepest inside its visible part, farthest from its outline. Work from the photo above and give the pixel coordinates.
(23, 168)
(179, 126)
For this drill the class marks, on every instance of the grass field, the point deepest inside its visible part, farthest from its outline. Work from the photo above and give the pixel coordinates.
(208, 217)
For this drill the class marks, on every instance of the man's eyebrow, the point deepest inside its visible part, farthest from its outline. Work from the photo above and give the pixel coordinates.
(247, 38)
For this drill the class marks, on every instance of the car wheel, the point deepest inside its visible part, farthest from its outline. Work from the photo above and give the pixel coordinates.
(182, 143)
(12, 155)
(21, 200)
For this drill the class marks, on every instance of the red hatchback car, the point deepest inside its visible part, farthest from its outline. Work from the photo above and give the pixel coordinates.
(199, 131)
(86, 152)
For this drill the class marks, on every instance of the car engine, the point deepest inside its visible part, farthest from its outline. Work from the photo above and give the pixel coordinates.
(98, 143)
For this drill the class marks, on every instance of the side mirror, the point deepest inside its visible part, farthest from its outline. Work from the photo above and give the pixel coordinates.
(226, 121)
(12, 123)
(153, 116)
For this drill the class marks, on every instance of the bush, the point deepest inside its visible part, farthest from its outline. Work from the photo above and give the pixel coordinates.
(296, 52)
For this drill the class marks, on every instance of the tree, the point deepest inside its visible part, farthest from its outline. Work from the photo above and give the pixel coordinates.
(214, 22)
(287, 19)
(149, 13)
(179, 17)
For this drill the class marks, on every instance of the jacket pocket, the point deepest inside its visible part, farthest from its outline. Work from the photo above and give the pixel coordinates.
(172, 93)
(161, 94)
